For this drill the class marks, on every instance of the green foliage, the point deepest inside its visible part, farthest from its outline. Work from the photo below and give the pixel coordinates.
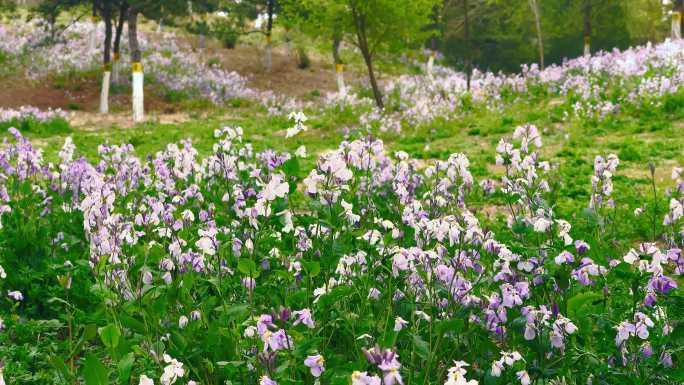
(57, 126)
(226, 30)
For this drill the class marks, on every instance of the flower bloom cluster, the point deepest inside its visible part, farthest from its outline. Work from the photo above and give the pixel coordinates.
(168, 61)
(369, 268)
(30, 113)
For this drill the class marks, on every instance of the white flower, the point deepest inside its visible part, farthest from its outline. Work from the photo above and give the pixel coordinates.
(399, 324)
(497, 368)
(172, 371)
(15, 295)
(631, 257)
(301, 152)
(299, 126)
(371, 236)
(250, 331)
(182, 321)
(206, 244)
(144, 380)
(349, 214)
(523, 377)
(564, 231)
(423, 315)
(456, 375)
(275, 188)
(542, 225)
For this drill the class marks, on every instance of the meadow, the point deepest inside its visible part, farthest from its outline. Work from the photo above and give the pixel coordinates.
(525, 228)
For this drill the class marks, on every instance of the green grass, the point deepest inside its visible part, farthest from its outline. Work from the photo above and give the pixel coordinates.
(637, 137)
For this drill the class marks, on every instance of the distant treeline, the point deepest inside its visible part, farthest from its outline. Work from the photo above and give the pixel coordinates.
(502, 35)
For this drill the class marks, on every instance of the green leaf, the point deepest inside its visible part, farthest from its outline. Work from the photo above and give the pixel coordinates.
(59, 364)
(94, 372)
(291, 167)
(454, 325)
(125, 367)
(581, 304)
(110, 335)
(313, 268)
(422, 349)
(248, 268)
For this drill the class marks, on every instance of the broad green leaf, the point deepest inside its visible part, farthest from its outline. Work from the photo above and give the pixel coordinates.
(248, 268)
(110, 335)
(422, 349)
(125, 367)
(94, 372)
(313, 268)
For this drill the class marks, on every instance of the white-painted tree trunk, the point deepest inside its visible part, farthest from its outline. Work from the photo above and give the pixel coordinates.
(587, 46)
(430, 64)
(676, 25)
(138, 95)
(104, 94)
(339, 73)
(160, 26)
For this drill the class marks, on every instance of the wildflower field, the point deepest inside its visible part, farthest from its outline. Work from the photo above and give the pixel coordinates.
(476, 228)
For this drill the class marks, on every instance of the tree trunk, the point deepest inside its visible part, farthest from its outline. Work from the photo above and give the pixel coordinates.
(677, 8)
(433, 40)
(537, 22)
(339, 66)
(137, 68)
(117, 43)
(106, 75)
(587, 27)
(362, 40)
(93, 32)
(469, 59)
(268, 58)
(431, 58)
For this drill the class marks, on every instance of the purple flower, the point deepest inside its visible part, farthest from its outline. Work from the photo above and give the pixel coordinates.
(304, 317)
(315, 363)
(265, 380)
(373, 293)
(362, 378)
(195, 315)
(249, 283)
(581, 247)
(390, 369)
(666, 359)
(662, 284)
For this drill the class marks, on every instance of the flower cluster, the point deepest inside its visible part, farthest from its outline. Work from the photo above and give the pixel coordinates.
(371, 269)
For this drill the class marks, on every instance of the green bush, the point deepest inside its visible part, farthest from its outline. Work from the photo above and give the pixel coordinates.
(226, 32)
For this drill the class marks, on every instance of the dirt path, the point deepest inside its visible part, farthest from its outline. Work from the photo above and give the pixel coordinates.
(93, 121)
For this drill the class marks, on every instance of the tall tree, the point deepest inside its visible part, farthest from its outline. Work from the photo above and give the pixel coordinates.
(337, 59)
(136, 66)
(105, 8)
(468, 48)
(386, 25)
(677, 9)
(253, 9)
(270, 11)
(587, 26)
(116, 48)
(151, 9)
(327, 22)
(534, 6)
